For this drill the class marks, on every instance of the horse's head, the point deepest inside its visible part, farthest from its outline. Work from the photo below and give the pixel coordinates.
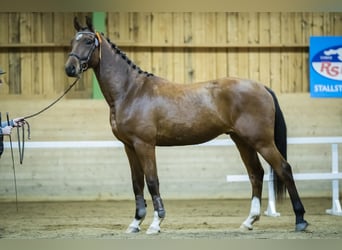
(85, 49)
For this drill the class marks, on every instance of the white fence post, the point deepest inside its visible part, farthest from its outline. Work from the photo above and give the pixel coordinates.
(336, 206)
(271, 207)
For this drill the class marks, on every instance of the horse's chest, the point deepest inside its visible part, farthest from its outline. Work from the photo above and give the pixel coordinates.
(119, 130)
(114, 126)
(113, 123)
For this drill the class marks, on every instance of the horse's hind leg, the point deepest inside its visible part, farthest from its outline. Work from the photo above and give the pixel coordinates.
(256, 174)
(284, 172)
(137, 175)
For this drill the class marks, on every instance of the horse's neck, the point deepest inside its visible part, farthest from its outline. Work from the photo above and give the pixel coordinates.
(112, 74)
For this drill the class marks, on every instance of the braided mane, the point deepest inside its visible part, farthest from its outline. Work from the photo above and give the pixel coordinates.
(129, 62)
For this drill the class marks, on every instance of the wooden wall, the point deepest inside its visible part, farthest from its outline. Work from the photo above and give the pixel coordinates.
(183, 47)
(33, 50)
(188, 47)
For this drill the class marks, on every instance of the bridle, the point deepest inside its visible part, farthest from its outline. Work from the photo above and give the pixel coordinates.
(83, 61)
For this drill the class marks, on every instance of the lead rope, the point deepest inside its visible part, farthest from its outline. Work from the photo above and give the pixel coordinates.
(21, 145)
(13, 166)
(54, 102)
(21, 149)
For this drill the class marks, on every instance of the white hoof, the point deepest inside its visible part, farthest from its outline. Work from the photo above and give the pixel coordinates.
(254, 214)
(134, 227)
(246, 226)
(131, 230)
(155, 226)
(248, 223)
(153, 230)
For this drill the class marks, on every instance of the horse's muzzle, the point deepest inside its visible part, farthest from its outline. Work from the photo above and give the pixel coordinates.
(70, 70)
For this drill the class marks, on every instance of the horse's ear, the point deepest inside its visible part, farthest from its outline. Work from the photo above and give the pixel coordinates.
(77, 25)
(89, 23)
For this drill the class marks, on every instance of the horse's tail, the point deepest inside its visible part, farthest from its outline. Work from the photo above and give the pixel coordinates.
(280, 139)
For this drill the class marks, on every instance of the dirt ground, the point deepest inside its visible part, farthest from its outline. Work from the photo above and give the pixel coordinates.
(185, 219)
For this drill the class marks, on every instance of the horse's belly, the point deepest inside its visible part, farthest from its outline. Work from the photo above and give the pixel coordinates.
(179, 134)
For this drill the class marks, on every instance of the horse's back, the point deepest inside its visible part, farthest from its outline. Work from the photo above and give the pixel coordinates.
(195, 113)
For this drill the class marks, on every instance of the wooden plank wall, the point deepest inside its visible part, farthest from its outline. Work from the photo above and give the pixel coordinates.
(182, 47)
(33, 50)
(188, 47)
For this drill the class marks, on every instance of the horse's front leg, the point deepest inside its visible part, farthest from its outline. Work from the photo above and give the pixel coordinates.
(146, 155)
(138, 189)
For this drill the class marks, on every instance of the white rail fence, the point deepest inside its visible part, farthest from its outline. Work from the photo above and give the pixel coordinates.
(334, 175)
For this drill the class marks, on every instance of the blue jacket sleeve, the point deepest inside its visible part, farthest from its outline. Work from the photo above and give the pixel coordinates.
(4, 124)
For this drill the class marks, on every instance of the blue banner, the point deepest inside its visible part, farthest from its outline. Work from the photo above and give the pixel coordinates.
(326, 66)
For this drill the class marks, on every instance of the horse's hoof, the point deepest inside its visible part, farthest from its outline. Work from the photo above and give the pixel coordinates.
(245, 226)
(153, 230)
(301, 226)
(131, 230)
(155, 226)
(248, 223)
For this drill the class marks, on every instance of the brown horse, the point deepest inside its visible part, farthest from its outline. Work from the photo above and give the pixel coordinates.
(148, 111)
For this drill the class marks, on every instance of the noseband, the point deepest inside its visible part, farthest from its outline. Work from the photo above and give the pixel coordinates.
(83, 61)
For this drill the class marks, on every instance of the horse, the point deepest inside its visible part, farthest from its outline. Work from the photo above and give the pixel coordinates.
(148, 111)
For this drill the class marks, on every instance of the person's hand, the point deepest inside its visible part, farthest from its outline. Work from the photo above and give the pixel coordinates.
(7, 130)
(18, 122)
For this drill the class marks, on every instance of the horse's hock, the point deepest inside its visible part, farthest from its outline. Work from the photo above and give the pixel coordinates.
(184, 172)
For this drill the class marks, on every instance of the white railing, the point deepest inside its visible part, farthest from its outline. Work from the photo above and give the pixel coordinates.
(334, 175)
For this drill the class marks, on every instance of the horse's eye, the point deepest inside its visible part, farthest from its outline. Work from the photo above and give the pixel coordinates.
(89, 41)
